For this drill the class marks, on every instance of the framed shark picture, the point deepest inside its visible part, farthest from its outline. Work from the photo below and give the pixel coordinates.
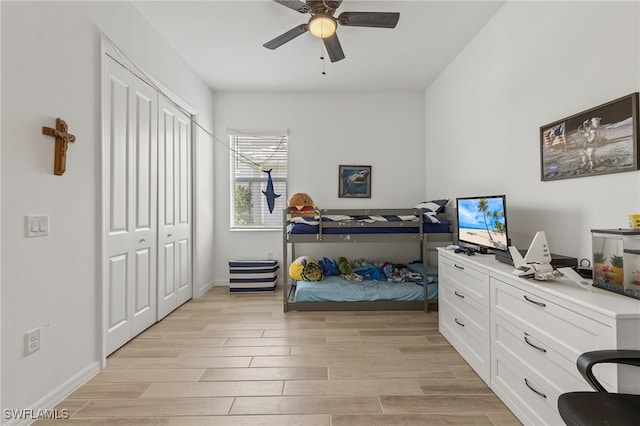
(354, 181)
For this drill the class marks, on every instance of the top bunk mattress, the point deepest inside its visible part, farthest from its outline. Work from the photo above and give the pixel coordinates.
(363, 225)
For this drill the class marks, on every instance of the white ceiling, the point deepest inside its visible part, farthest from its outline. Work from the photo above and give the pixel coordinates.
(222, 41)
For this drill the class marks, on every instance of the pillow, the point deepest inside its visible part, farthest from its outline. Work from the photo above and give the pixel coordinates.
(430, 209)
(435, 206)
(418, 267)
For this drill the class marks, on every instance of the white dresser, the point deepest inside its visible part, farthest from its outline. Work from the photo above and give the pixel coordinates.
(523, 336)
(463, 310)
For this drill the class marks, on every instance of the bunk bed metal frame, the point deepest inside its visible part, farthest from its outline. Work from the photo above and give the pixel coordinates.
(419, 237)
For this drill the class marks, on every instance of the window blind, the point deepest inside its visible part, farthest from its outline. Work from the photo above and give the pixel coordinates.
(251, 156)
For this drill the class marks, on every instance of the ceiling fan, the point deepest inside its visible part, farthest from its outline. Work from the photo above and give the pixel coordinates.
(323, 24)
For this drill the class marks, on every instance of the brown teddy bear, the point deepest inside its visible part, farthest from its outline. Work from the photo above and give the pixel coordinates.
(301, 204)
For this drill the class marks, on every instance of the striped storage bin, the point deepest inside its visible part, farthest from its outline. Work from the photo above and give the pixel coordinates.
(252, 275)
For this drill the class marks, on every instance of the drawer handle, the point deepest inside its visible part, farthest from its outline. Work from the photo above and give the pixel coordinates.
(534, 302)
(458, 294)
(537, 392)
(534, 346)
(458, 266)
(458, 322)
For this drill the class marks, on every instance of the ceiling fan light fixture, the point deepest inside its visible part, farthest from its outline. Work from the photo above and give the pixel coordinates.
(322, 25)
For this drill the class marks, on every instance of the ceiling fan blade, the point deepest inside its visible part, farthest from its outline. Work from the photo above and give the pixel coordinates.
(334, 49)
(296, 5)
(332, 4)
(369, 19)
(324, 5)
(288, 36)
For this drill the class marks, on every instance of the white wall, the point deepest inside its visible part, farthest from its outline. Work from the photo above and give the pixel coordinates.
(532, 64)
(384, 130)
(51, 68)
(0, 208)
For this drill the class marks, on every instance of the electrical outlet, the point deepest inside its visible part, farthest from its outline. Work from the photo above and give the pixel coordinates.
(269, 255)
(32, 340)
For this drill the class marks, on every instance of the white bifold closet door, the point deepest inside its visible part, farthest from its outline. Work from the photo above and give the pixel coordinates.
(131, 111)
(174, 208)
(147, 208)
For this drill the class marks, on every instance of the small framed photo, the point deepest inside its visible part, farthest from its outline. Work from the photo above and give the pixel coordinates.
(597, 141)
(354, 181)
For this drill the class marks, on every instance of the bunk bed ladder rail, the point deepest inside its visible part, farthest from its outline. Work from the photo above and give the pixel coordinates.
(285, 260)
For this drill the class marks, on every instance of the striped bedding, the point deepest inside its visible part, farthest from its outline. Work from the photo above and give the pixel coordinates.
(358, 224)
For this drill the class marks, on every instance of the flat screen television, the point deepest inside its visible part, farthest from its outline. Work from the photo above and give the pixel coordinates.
(482, 223)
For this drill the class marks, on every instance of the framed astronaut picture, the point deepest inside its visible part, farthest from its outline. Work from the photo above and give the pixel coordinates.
(597, 141)
(354, 181)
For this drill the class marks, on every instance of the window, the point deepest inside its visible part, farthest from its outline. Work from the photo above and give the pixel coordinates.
(251, 156)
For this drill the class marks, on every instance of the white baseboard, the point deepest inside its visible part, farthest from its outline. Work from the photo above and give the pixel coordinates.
(221, 283)
(202, 291)
(44, 408)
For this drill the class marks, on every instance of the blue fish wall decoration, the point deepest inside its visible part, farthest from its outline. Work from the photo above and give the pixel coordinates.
(270, 193)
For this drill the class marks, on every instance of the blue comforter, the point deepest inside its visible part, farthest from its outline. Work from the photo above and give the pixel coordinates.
(338, 289)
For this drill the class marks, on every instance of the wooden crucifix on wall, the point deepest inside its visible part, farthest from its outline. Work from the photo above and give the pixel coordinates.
(62, 140)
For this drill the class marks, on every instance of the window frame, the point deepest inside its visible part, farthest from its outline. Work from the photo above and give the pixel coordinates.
(240, 147)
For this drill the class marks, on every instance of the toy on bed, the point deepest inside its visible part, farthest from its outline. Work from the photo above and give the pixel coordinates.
(305, 268)
(301, 204)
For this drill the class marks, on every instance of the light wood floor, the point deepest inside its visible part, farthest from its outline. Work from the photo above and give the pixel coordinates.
(228, 359)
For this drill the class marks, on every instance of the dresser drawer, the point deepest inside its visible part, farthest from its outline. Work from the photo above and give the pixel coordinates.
(532, 399)
(466, 279)
(466, 338)
(475, 314)
(529, 354)
(566, 332)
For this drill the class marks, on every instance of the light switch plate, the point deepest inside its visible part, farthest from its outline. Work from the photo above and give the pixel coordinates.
(36, 226)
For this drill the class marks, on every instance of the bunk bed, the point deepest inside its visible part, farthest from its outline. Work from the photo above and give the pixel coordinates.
(403, 225)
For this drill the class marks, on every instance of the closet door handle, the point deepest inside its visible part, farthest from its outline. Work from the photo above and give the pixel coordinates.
(458, 266)
(458, 294)
(534, 346)
(534, 302)
(532, 389)
(143, 240)
(458, 322)
(169, 235)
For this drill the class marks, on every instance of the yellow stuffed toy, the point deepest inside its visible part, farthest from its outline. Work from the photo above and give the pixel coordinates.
(305, 268)
(301, 204)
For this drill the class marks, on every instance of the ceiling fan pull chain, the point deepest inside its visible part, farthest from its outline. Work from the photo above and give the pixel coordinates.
(322, 56)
